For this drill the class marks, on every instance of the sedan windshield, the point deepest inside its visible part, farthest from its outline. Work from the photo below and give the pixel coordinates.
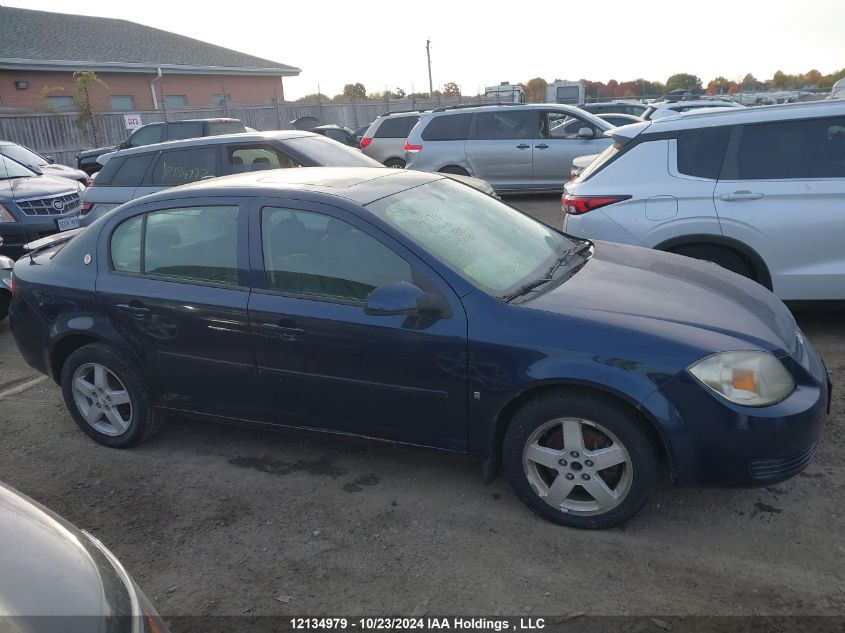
(491, 244)
(22, 155)
(11, 169)
(320, 151)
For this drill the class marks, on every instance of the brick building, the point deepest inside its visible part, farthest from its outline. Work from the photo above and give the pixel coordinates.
(141, 68)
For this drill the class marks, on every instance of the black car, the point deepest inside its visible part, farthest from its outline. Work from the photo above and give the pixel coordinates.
(336, 132)
(158, 132)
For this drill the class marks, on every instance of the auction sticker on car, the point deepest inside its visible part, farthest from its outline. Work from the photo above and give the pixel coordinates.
(65, 224)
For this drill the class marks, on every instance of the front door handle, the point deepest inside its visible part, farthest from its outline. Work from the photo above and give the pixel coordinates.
(739, 196)
(137, 312)
(523, 146)
(542, 146)
(285, 333)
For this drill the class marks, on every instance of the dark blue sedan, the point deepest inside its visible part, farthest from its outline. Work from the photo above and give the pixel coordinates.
(405, 306)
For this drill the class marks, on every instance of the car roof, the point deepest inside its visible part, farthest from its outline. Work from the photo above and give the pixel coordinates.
(757, 114)
(361, 185)
(499, 106)
(245, 137)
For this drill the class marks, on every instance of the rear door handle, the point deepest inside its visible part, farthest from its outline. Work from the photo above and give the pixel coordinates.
(136, 312)
(285, 333)
(523, 146)
(739, 196)
(542, 146)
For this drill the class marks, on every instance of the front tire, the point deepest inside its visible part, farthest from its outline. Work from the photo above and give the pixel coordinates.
(106, 395)
(580, 459)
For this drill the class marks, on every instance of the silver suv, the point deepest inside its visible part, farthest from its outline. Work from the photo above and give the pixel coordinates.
(515, 147)
(384, 140)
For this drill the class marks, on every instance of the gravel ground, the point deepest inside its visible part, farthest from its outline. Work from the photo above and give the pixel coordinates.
(218, 520)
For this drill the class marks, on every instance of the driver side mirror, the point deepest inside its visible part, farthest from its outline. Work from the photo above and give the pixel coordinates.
(586, 132)
(402, 298)
(124, 145)
(50, 159)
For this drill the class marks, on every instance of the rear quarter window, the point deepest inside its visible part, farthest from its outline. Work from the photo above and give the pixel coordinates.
(449, 127)
(124, 171)
(701, 151)
(396, 127)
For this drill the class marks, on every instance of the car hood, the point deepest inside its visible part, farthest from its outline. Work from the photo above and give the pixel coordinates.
(63, 171)
(96, 152)
(49, 566)
(35, 187)
(629, 282)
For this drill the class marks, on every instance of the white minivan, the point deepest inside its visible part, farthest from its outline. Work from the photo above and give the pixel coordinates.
(759, 191)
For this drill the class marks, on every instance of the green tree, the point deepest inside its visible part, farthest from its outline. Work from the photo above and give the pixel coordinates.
(719, 85)
(750, 82)
(535, 90)
(451, 89)
(314, 97)
(683, 81)
(812, 77)
(356, 90)
(399, 93)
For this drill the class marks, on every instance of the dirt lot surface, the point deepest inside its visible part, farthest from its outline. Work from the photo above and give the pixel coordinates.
(225, 520)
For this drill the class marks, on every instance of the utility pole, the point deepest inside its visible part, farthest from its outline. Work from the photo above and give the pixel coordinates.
(428, 55)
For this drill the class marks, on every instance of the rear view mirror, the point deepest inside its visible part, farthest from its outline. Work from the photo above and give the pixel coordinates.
(402, 298)
(586, 132)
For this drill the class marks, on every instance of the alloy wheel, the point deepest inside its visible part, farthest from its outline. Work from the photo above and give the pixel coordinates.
(102, 399)
(577, 466)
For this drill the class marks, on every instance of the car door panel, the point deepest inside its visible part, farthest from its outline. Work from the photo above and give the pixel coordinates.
(500, 149)
(328, 365)
(192, 338)
(555, 151)
(782, 192)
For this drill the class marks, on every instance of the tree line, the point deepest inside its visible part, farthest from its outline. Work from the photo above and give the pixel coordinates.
(535, 89)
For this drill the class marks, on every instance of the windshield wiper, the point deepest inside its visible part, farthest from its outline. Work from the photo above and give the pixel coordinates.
(565, 258)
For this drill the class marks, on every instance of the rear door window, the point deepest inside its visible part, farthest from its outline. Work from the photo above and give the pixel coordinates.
(124, 172)
(450, 127)
(182, 166)
(701, 151)
(503, 125)
(396, 127)
(810, 148)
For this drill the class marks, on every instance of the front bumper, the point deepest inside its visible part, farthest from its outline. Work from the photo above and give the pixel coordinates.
(16, 234)
(713, 442)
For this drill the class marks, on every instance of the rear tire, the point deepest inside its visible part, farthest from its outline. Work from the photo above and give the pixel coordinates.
(107, 397)
(454, 169)
(724, 257)
(580, 459)
(395, 163)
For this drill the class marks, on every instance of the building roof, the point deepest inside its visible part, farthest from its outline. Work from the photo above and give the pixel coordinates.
(40, 40)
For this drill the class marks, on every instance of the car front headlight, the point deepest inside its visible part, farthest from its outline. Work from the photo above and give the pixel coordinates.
(753, 379)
